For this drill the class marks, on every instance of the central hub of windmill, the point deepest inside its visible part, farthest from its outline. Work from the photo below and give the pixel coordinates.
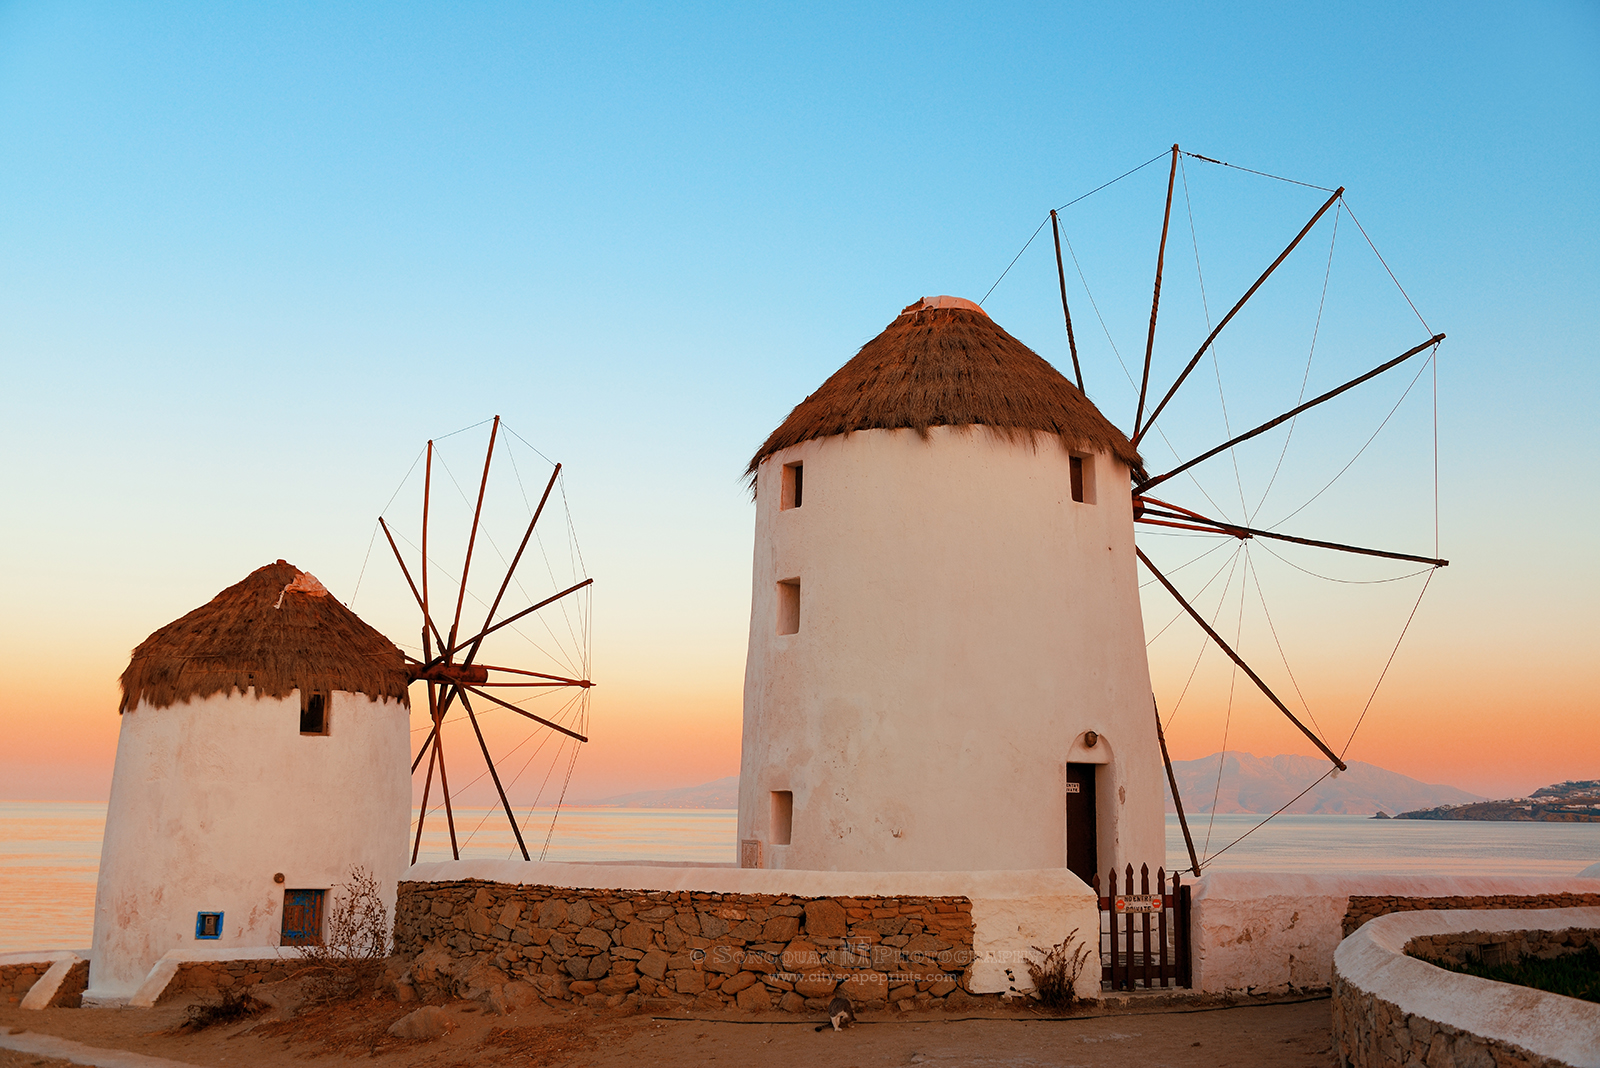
(455, 674)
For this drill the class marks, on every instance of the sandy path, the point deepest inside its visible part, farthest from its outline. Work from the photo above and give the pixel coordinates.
(1144, 1036)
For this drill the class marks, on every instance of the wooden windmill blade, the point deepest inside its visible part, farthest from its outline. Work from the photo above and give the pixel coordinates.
(447, 665)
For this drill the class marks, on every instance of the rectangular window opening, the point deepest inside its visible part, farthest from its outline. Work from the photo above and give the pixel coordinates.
(313, 712)
(302, 917)
(782, 816)
(793, 485)
(1082, 472)
(208, 925)
(789, 606)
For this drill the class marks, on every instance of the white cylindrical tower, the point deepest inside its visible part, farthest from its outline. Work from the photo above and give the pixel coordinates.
(262, 756)
(947, 665)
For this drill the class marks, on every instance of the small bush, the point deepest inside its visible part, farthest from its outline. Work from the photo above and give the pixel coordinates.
(1573, 975)
(231, 1006)
(1056, 976)
(349, 959)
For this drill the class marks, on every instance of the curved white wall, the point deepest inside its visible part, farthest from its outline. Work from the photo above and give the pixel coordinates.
(962, 622)
(211, 798)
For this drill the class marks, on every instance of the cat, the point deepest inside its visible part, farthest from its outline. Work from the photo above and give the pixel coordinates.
(840, 1014)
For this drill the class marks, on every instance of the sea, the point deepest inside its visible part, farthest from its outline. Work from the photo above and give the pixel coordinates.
(50, 851)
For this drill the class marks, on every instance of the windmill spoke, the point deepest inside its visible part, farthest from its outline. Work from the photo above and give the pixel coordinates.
(1142, 514)
(535, 674)
(495, 775)
(524, 712)
(444, 788)
(1061, 276)
(515, 560)
(427, 497)
(1140, 431)
(1172, 781)
(1237, 659)
(421, 603)
(427, 744)
(427, 785)
(506, 622)
(1290, 414)
(472, 537)
(1155, 303)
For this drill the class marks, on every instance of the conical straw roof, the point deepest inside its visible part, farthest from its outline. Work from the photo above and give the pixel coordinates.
(277, 631)
(944, 362)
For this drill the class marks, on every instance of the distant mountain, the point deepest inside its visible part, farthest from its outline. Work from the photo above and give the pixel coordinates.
(719, 793)
(1262, 784)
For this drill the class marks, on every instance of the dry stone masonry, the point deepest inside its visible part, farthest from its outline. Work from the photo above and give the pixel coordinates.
(662, 950)
(17, 979)
(197, 977)
(1362, 909)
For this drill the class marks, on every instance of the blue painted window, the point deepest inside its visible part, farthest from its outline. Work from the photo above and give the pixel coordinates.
(208, 925)
(302, 917)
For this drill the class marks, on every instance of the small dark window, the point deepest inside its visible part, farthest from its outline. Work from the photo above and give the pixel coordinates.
(302, 917)
(794, 483)
(208, 925)
(1082, 474)
(782, 816)
(789, 607)
(313, 713)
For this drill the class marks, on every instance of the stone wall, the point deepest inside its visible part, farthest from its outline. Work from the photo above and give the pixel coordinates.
(1492, 948)
(214, 976)
(17, 979)
(1372, 1032)
(1394, 1010)
(664, 949)
(1364, 908)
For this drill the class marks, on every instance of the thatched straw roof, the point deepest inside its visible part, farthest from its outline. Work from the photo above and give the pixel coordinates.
(944, 362)
(274, 632)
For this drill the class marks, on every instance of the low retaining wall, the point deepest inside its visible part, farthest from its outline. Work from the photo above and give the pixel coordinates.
(1493, 948)
(1269, 933)
(666, 937)
(64, 972)
(213, 976)
(1391, 1009)
(1362, 908)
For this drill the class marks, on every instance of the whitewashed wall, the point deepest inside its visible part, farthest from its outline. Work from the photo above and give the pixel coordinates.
(211, 798)
(1269, 933)
(962, 623)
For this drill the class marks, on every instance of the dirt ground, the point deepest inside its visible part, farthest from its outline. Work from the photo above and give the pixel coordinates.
(1145, 1034)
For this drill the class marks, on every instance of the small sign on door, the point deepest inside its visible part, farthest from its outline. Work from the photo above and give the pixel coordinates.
(1072, 787)
(1138, 903)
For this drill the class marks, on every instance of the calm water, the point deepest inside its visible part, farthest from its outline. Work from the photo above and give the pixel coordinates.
(50, 851)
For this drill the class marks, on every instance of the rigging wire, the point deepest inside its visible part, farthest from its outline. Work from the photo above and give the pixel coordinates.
(1263, 823)
(1357, 456)
(350, 604)
(1216, 360)
(1385, 263)
(1064, 207)
(1347, 582)
(1392, 654)
(1305, 379)
(1233, 683)
(1205, 643)
(1251, 170)
(1261, 595)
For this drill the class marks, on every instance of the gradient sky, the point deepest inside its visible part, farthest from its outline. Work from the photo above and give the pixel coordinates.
(255, 254)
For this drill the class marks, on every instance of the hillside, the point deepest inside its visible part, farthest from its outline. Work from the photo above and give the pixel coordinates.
(1574, 801)
(1255, 784)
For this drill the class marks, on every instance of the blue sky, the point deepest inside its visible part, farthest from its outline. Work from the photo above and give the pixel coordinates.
(255, 254)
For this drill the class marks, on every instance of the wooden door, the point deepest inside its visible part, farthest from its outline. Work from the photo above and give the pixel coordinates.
(1082, 850)
(302, 917)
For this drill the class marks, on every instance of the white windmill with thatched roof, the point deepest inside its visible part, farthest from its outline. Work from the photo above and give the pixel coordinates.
(947, 664)
(262, 755)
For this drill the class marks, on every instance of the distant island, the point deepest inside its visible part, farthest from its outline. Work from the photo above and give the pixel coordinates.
(1574, 801)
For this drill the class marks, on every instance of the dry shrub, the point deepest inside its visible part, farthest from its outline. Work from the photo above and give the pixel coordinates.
(350, 957)
(1056, 976)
